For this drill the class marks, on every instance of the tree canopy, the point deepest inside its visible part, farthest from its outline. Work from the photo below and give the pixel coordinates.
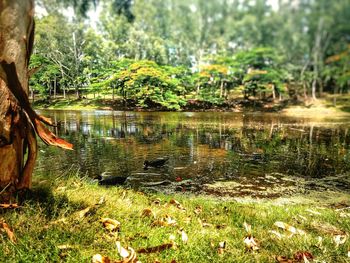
(224, 47)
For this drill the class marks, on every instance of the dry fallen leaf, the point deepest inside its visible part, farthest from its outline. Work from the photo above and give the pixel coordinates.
(177, 204)
(221, 247)
(147, 212)
(184, 237)
(303, 256)
(277, 234)
(198, 210)
(247, 227)
(166, 221)
(122, 251)
(5, 227)
(251, 243)
(289, 228)
(327, 228)
(110, 224)
(97, 258)
(128, 255)
(339, 240)
(9, 206)
(101, 201)
(82, 213)
(284, 259)
(203, 223)
(156, 248)
(156, 201)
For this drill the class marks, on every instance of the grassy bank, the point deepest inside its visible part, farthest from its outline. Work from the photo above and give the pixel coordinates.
(330, 105)
(61, 222)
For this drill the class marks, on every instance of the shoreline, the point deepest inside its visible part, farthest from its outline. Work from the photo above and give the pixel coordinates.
(321, 110)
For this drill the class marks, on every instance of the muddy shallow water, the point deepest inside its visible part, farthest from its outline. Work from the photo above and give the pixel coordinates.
(226, 154)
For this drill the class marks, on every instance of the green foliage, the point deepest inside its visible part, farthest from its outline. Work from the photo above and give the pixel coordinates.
(198, 49)
(150, 84)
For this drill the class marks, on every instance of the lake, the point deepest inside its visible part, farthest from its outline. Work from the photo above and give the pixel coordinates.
(225, 154)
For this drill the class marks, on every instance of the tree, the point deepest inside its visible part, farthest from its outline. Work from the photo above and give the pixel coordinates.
(18, 121)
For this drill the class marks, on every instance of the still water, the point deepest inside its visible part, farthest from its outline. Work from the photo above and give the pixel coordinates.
(211, 153)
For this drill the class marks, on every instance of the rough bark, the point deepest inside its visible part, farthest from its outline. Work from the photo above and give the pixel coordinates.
(18, 121)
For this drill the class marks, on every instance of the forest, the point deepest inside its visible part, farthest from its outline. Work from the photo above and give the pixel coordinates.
(172, 54)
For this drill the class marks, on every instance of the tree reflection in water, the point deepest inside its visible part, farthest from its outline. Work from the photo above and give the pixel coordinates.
(248, 149)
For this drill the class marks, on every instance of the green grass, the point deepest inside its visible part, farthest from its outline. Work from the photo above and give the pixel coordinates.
(50, 217)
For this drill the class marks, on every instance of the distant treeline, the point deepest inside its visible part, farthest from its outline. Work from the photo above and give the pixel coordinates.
(175, 51)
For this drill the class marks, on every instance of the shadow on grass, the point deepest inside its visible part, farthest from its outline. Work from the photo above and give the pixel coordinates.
(49, 204)
(345, 108)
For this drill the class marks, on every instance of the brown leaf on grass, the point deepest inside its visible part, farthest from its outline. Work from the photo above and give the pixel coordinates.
(300, 219)
(302, 255)
(177, 204)
(147, 212)
(221, 247)
(110, 224)
(166, 221)
(156, 249)
(97, 258)
(289, 228)
(299, 256)
(5, 227)
(251, 243)
(157, 201)
(284, 259)
(82, 213)
(198, 210)
(9, 206)
(203, 223)
(128, 255)
(327, 228)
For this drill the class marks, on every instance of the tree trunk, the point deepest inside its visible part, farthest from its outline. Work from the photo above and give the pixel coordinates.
(17, 119)
(273, 92)
(221, 88)
(54, 88)
(316, 56)
(113, 92)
